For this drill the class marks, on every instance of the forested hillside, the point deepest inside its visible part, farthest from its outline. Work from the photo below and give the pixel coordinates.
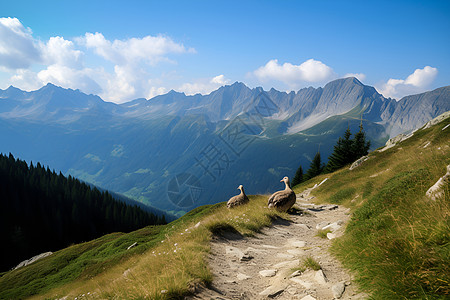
(41, 211)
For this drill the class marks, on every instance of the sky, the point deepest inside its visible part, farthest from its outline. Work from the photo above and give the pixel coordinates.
(123, 50)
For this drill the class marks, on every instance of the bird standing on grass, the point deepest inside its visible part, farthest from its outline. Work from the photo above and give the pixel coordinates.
(283, 200)
(238, 199)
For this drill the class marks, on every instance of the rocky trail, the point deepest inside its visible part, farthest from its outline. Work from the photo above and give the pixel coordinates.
(263, 266)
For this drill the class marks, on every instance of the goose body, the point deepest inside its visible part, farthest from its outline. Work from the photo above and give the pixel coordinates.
(238, 199)
(283, 200)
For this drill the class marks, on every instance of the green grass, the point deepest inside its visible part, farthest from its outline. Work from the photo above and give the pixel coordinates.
(87, 260)
(398, 241)
(172, 257)
(310, 263)
(323, 233)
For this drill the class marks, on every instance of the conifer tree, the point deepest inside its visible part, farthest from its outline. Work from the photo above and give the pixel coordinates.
(348, 150)
(315, 168)
(360, 146)
(298, 177)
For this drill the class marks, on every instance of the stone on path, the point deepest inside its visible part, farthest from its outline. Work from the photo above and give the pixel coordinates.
(308, 297)
(338, 289)
(294, 274)
(272, 291)
(246, 257)
(268, 273)
(322, 225)
(297, 244)
(331, 236)
(333, 226)
(306, 284)
(241, 276)
(320, 277)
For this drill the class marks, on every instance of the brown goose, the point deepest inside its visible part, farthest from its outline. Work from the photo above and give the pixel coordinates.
(283, 200)
(238, 199)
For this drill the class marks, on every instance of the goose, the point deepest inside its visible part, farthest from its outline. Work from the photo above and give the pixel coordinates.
(238, 199)
(283, 200)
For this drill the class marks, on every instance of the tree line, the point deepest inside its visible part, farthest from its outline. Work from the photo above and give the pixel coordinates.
(346, 151)
(41, 211)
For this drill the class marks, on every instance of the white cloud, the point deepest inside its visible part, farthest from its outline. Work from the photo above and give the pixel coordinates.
(62, 52)
(31, 63)
(417, 82)
(149, 49)
(156, 91)
(18, 49)
(294, 75)
(359, 76)
(204, 86)
(220, 79)
(67, 77)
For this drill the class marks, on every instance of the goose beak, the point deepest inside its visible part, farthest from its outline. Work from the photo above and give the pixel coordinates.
(281, 180)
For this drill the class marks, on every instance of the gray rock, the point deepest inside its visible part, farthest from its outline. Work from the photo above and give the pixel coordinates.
(320, 277)
(268, 273)
(272, 291)
(246, 257)
(437, 190)
(132, 245)
(33, 259)
(358, 162)
(333, 226)
(322, 225)
(338, 289)
(306, 284)
(295, 274)
(331, 236)
(241, 276)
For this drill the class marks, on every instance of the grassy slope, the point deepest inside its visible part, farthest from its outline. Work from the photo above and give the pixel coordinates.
(397, 242)
(170, 257)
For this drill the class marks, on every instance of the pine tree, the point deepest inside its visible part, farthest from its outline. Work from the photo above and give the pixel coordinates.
(298, 178)
(360, 146)
(315, 168)
(348, 150)
(337, 159)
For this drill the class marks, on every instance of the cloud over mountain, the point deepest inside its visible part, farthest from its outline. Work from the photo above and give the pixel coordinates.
(290, 74)
(63, 62)
(417, 82)
(204, 86)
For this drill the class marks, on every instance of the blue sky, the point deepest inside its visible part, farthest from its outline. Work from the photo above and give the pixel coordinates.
(122, 50)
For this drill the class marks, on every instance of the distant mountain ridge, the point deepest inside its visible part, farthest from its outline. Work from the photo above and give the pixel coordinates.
(298, 110)
(140, 147)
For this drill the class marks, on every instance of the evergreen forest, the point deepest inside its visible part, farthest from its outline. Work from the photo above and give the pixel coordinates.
(42, 211)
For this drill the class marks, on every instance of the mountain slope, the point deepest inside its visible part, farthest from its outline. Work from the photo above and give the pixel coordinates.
(235, 135)
(396, 242)
(42, 211)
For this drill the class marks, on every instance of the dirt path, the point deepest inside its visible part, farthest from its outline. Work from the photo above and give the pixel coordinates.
(261, 267)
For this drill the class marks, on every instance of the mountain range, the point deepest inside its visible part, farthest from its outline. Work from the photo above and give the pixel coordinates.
(177, 152)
